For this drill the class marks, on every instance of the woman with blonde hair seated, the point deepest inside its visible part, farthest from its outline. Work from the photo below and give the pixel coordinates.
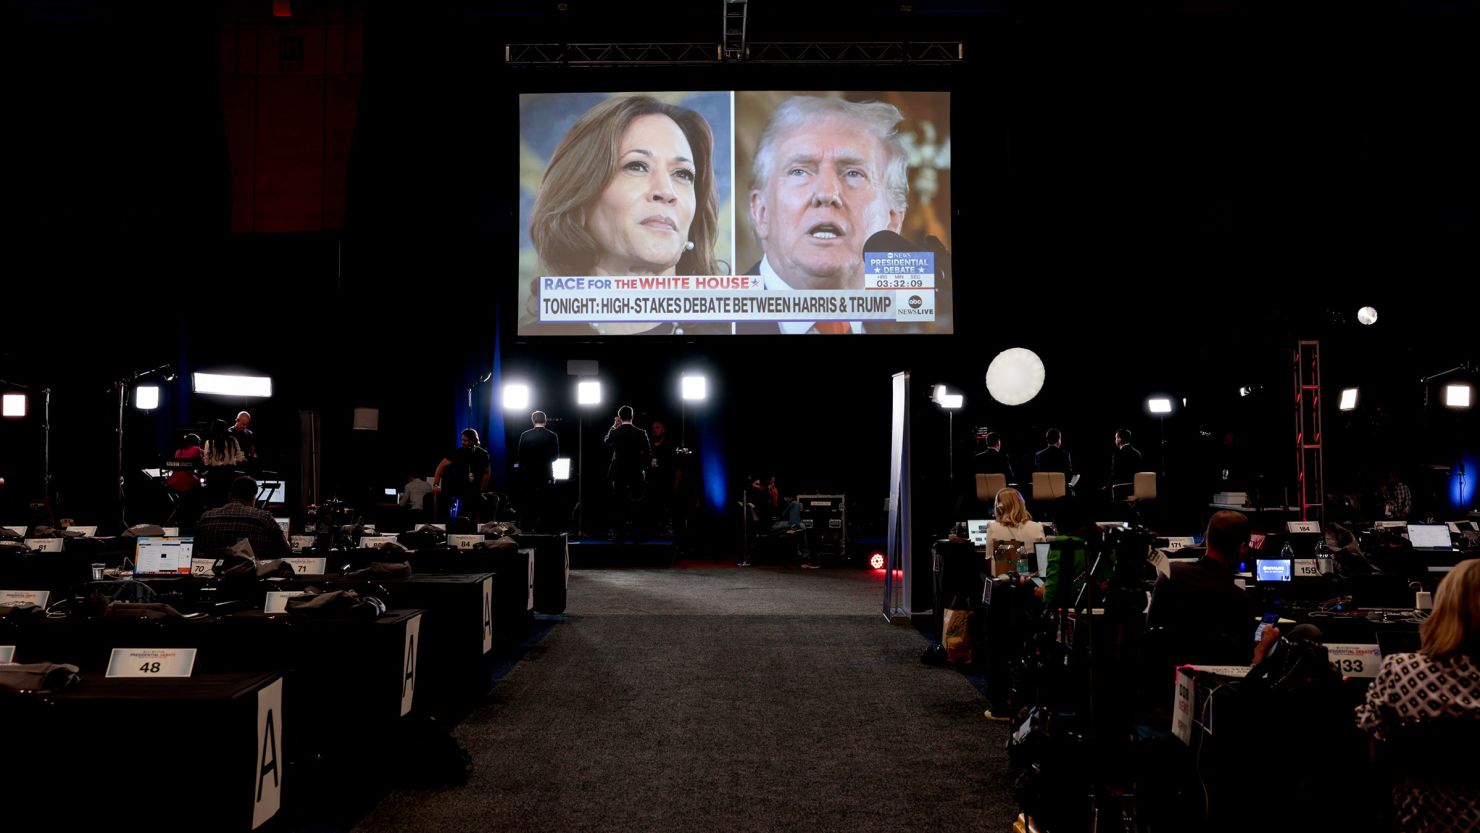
(1013, 528)
(1428, 701)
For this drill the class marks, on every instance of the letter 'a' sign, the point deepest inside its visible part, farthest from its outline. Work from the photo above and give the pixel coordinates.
(408, 663)
(487, 614)
(267, 769)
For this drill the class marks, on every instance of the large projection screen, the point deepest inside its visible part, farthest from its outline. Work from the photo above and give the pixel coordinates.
(734, 213)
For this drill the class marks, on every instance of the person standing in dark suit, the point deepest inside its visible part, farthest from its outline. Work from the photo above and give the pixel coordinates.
(1125, 462)
(1053, 457)
(631, 456)
(991, 460)
(538, 449)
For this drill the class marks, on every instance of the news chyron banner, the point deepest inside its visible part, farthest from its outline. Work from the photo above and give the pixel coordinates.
(751, 212)
(901, 290)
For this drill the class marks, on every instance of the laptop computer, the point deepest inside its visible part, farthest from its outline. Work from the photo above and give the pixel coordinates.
(162, 556)
(977, 532)
(1430, 537)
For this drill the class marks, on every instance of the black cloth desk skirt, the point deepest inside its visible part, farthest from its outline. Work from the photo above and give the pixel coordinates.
(160, 755)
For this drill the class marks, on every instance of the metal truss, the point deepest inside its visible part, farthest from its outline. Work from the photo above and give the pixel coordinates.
(674, 54)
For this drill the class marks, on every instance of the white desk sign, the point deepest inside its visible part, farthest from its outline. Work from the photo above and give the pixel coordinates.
(151, 662)
(1307, 568)
(1182, 707)
(1159, 560)
(45, 544)
(529, 552)
(202, 566)
(35, 597)
(277, 600)
(1302, 527)
(367, 541)
(7, 654)
(464, 542)
(84, 531)
(308, 566)
(300, 543)
(488, 614)
(19, 530)
(1174, 544)
(408, 663)
(438, 527)
(1355, 660)
(171, 531)
(267, 783)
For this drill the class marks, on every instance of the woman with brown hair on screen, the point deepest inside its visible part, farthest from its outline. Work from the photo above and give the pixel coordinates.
(629, 191)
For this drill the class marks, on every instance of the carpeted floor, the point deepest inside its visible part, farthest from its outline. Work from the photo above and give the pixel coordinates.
(723, 699)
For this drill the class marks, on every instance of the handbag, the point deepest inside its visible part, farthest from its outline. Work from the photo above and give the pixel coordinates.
(956, 636)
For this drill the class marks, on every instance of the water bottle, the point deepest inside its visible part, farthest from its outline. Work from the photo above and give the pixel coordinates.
(1325, 564)
(1288, 551)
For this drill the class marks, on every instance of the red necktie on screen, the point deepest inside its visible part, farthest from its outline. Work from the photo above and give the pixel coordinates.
(833, 327)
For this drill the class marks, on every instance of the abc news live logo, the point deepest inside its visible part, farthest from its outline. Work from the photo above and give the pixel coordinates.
(915, 306)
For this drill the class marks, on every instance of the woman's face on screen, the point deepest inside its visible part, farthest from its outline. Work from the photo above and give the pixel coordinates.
(641, 221)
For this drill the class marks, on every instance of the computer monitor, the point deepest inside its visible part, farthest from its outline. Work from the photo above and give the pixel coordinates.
(272, 491)
(283, 522)
(162, 556)
(1429, 536)
(977, 532)
(1272, 569)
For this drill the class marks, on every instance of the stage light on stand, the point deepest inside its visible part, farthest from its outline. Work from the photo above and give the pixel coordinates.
(694, 388)
(516, 397)
(1159, 405)
(1367, 316)
(1458, 395)
(1348, 399)
(588, 393)
(146, 397)
(13, 405)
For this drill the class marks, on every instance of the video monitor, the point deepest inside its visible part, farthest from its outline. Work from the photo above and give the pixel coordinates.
(1272, 569)
(734, 213)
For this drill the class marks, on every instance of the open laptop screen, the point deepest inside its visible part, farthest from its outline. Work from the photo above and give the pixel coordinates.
(162, 556)
(1429, 536)
(977, 532)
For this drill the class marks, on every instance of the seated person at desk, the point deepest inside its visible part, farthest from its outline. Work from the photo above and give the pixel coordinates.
(414, 494)
(1437, 692)
(185, 483)
(1014, 528)
(1209, 619)
(222, 527)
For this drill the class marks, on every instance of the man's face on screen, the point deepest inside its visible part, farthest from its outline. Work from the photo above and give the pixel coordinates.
(641, 220)
(824, 198)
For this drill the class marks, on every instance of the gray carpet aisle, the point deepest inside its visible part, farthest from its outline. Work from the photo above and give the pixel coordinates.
(723, 699)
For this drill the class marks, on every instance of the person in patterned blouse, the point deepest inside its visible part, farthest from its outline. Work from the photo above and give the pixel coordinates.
(1431, 694)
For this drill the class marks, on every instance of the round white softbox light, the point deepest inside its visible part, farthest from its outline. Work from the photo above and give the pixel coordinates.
(1015, 376)
(1367, 315)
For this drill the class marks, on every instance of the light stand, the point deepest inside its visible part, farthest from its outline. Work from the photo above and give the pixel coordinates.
(468, 423)
(123, 385)
(45, 440)
(588, 395)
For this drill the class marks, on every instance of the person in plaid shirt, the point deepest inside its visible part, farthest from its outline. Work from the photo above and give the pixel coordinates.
(222, 527)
